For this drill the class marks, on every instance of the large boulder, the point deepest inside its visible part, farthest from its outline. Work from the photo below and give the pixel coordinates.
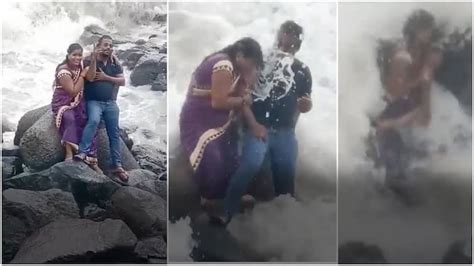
(150, 158)
(148, 68)
(40, 145)
(41, 148)
(143, 211)
(80, 241)
(151, 249)
(76, 177)
(148, 181)
(27, 120)
(24, 211)
(11, 166)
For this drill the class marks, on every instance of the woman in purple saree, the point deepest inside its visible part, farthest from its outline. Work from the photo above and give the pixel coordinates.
(68, 104)
(217, 93)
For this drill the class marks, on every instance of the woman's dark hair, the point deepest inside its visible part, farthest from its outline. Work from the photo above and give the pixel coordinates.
(249, 49)
(72, 47)
(418, 20)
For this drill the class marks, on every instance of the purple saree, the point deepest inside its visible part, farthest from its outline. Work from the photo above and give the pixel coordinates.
(208, 135)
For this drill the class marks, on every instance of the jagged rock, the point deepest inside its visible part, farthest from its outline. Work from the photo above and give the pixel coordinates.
(27, 120)
(24, 211)
(143, 211)
(76, 177)
(11, 166)
(140, 42)
(148, 68)
(159, 84)
(148, 181)
(126, 138)
(151, 248)
(79, 240)
(150, 158)
(160, 18)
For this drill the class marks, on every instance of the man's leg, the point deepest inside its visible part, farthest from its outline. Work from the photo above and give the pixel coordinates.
(283, 154)
(111, 119)
(94, 115)
(253, 154)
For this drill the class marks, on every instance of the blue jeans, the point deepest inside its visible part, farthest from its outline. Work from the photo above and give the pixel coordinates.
(109, 112)
(283, 149)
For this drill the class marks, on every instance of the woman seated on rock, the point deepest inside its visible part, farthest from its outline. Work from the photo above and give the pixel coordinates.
(68, 104)
(218, 92)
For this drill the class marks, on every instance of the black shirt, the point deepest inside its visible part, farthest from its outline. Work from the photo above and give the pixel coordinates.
(102, 90)
(283, 80)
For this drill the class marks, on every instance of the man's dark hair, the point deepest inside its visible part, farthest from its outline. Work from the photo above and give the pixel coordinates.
(291, 27)
(418, 20)
(103, 38)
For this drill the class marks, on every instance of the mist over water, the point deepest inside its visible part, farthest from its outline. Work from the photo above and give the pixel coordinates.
(366, 210)
(35, 38)
(282, 229)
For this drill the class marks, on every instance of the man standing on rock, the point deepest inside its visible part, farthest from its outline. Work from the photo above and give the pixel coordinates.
(104, 77)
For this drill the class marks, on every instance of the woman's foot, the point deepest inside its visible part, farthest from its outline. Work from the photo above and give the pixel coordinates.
(97, 169)
(68, 159)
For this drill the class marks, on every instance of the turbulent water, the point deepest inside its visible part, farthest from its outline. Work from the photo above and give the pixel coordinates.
(366, 211)
(283, 229)
(35, 38)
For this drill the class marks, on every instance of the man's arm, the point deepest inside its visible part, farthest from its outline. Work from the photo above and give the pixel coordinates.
(305, 104)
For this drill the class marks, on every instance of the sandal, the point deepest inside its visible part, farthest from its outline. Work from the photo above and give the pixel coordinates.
(121, 174)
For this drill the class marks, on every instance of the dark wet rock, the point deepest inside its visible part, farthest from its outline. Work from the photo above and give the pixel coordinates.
(148, 68)
(126, 138)
(148, 181)
(76, 177)
(149, 249)
(24, 211)
(459, 252)
(140, 42)
(11, 166)
(79, 240)
(131, 56)
(95, 213)
(160, 18)
(150, 158)
(359, 252)
(160, 83)
(27, 120)
(144, 212)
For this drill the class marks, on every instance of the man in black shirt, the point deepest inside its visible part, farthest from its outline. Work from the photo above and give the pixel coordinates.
(103, 78)
(282, 93)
